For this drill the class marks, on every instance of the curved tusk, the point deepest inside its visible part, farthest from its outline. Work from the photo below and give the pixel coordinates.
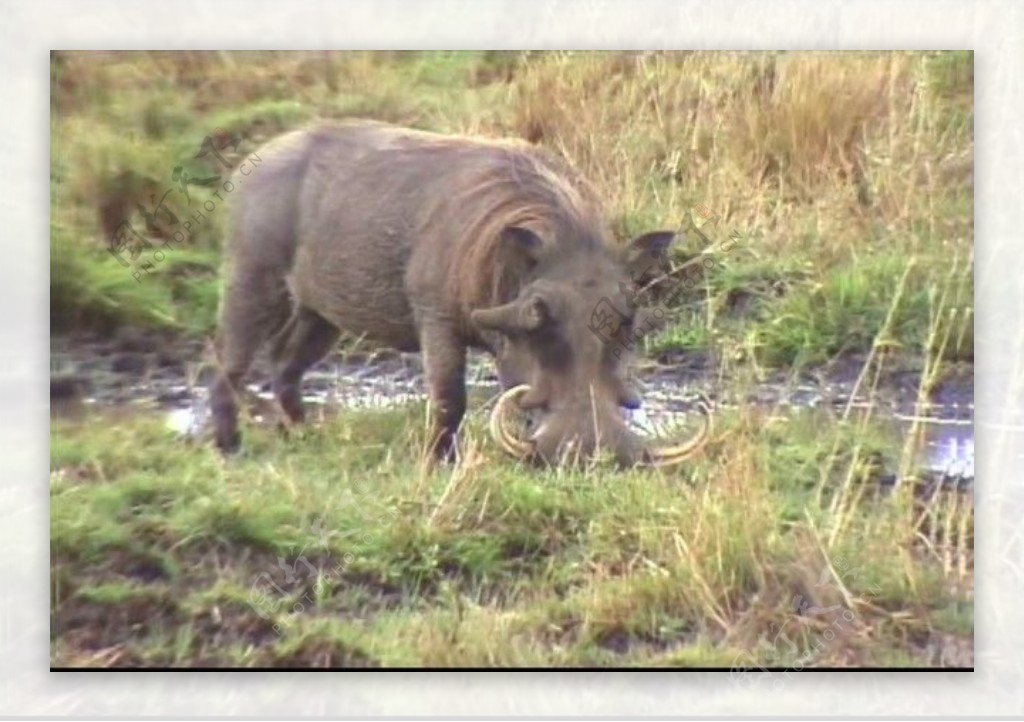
(663, 456)
(506, 406)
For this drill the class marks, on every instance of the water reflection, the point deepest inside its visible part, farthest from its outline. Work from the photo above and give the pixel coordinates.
(946, 422)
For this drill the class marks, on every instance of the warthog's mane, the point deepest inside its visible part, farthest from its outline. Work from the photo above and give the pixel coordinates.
(455, 195)
(497, 184)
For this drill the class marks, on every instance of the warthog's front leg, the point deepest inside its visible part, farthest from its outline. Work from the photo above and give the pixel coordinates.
(444, 365)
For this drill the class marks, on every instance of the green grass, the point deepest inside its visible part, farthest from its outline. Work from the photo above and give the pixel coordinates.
(89, 288)
(165, 554)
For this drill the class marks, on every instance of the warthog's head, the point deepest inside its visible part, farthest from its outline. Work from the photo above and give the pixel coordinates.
(564, 341)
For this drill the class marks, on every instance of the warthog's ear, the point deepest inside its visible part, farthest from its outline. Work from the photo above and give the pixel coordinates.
(646, 257)
(519, 315)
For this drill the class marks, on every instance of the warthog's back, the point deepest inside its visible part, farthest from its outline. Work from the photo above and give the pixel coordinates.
(389, 219)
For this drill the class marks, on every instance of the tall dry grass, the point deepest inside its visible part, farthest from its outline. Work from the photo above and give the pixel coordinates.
(811, 153)
(834, 167)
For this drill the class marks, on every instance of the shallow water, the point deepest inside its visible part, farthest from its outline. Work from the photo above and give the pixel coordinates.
(394, 380)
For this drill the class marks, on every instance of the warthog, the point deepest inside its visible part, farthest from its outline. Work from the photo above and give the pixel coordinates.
(438, 244)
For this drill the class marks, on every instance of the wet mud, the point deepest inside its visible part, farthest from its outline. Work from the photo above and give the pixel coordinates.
(168, 376)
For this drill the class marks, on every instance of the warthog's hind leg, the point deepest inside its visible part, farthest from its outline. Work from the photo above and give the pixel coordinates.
(255, 306)
(304, 340)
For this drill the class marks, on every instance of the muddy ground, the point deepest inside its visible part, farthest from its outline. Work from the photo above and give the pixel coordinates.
(164, 374)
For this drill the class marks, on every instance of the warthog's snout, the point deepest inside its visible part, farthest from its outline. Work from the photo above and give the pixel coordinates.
(572, 438)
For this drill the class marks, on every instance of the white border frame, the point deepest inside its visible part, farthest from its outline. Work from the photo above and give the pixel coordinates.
(30, 29)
